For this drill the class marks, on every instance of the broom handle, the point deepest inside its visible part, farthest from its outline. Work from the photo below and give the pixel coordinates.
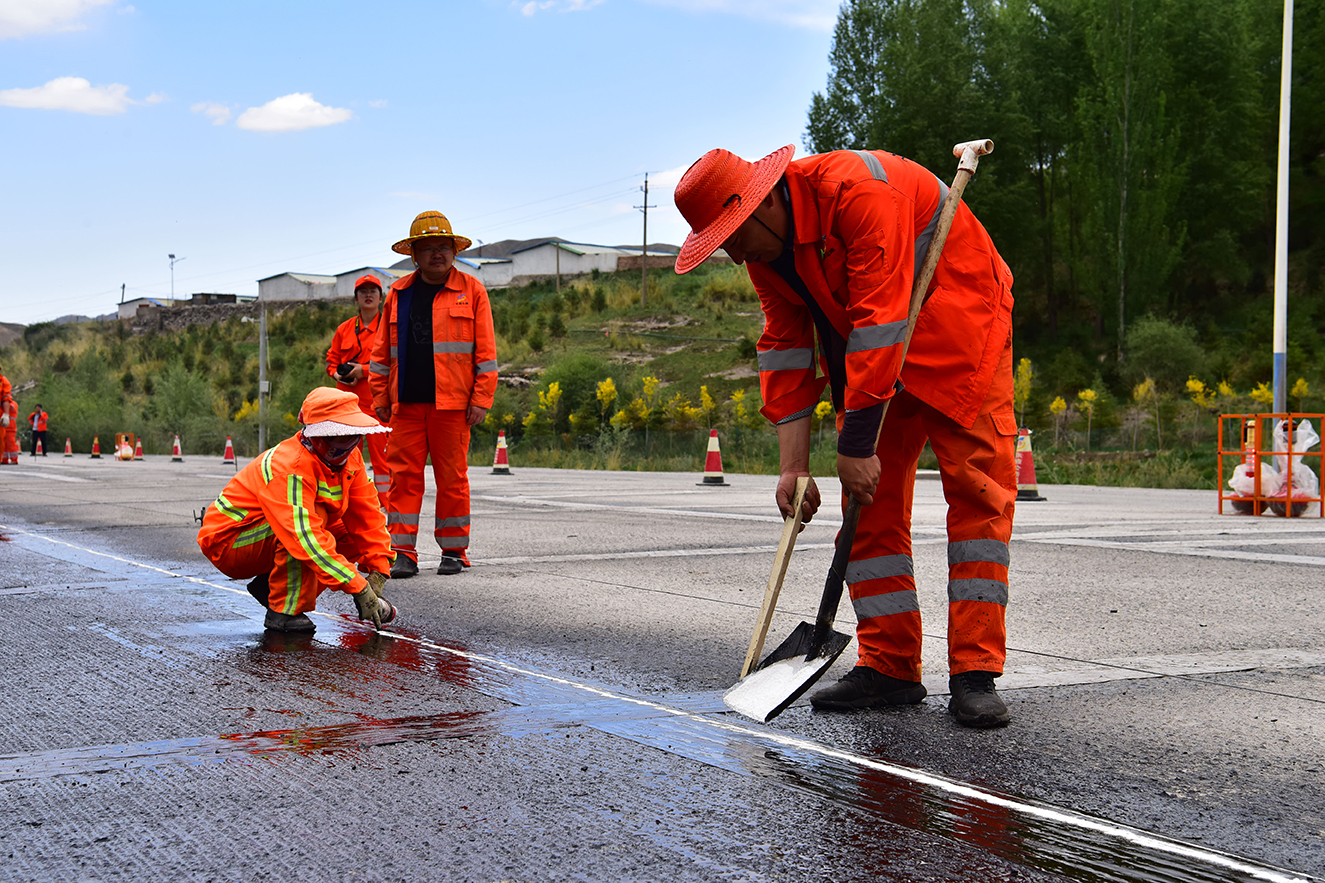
(969, 153)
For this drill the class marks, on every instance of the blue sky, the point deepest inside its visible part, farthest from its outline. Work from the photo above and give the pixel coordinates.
(252, 138)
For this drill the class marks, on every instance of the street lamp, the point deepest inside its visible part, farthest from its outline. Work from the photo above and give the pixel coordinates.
(173, 261)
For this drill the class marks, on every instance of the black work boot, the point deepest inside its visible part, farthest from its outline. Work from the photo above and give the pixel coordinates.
(450, 564)
(404, 568)
(975, 702)
(864, 687)
(281, 622)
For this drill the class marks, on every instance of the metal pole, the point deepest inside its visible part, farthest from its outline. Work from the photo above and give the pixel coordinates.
(1281, 221)
(262, 376)
(644, 252)
(556, 247)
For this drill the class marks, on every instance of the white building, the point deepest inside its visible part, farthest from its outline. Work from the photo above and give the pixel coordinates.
(345, 281)
(129, 309)
(297, 286)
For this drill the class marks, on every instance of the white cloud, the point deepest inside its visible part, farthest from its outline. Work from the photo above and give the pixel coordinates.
(377, 102)
(536, 6)
(532, 7)
(291, 113)
(668, 179)
(70, 93)
(217, 113)
(155, 98)
(22, 18)
(816, 15)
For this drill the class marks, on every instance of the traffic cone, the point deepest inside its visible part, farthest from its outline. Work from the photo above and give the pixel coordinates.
(713, 463)
(40, 451)
(96, 448)
(138, 448)
(68, 447)
(500, 465)
(176, 455)
(229, 458)
(1027, 489)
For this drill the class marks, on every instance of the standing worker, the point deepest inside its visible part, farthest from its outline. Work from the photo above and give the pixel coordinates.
(8, 423)
(300, 517)
(433, 374)
(347, 362)
(37, 420)
(832, 243)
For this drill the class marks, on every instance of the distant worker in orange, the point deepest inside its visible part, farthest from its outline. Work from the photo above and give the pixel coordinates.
(303, 518)
(347, 361)
(9, 448)
(433, 374)
(832, 243)
(37, 421)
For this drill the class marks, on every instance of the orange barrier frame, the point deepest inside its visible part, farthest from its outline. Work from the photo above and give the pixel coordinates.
(1255, 434)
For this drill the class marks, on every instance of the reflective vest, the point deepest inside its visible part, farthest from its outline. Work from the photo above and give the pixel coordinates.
(288, 492)
(353, 342)
(464, 345)
(863, 220)
(37, 420)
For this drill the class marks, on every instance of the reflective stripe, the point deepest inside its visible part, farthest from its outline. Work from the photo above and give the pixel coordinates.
(873, 164)
(804, 412)
(229, 509)
(452, 542)
(880, 567)
(403, 540)
(485, 367)
(991, 551)
(990, 590)
(797, 359)
(402, 518)
(303, 530)
(294, 584)
(255, 534)
(460, 521)
(378, 367)
(453, 346)
(266, 466)
(331, 493)
(876, 337)
(887, 604)
(393, 351)
(922, 241)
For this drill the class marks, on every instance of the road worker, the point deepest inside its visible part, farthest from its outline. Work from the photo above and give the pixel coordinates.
(347, 362)
(37, 423)
(9, 448)
(303, 518)
(832, 243)
(433, 375)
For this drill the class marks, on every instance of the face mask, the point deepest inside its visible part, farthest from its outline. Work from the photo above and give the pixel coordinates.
(333, 450)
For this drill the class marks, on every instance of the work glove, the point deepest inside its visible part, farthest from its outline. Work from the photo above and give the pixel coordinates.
(377, 582)
(4, 419)
(369, 607)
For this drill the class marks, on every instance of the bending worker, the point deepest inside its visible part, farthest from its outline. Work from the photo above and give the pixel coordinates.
(832, 243)
(347, 363)
(299, 518)
(433, 374)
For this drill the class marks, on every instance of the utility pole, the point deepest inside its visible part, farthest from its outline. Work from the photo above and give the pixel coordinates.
(556, 247)
(121, 292)
(644, 252)
(1280, 372)
(173, 261)
(262, 376)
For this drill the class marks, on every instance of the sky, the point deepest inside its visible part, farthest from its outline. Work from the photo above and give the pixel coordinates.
(254, 138)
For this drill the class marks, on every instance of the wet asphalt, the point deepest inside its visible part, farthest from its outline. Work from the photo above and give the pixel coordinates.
(555, 713)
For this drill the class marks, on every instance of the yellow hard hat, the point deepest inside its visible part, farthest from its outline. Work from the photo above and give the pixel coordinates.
(431, 225)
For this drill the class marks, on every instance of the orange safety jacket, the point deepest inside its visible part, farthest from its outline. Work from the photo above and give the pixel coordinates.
(353, 342)
(863, 221)
(464, 345)
(6, 389)
(288, 492)
(37, 420)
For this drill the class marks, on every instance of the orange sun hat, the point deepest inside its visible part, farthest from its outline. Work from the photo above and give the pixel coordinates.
(431, 225)
(717, 194)
(330, 411)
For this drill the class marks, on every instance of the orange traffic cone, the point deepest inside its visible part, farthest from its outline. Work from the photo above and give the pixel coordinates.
(68, 446)
(40, 451)
(713, 463)
(1027, 489)
(96, 448)
(176, 455)
(138, 448)
(500, 465)
(229, 452)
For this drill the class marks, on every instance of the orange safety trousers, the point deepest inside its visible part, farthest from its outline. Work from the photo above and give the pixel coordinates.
(978, 470)
(294, 586)
(417, 431)
(376, 445)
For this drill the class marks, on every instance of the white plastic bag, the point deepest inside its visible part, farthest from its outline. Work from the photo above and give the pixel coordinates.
(1305, 482)
(1243, 481)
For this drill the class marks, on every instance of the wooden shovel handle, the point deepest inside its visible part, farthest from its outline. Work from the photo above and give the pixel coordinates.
(790, 529)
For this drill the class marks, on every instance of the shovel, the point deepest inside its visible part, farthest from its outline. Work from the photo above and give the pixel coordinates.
(800, 660)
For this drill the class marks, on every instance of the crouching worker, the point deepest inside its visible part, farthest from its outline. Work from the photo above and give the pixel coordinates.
(298, 519)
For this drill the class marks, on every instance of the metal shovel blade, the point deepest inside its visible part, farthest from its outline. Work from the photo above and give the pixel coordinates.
(784, 675)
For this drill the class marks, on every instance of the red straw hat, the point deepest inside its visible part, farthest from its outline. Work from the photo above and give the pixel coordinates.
(367, 279)
(717, 194)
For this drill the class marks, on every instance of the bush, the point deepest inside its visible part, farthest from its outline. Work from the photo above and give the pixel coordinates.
(1166, 352)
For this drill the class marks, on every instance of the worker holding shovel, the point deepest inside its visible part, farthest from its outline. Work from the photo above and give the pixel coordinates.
(832, 243)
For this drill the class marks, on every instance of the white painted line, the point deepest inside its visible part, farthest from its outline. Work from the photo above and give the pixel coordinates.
(652, 553)
(1073, 672)
(646, 510)
(1062, 817)
(52, 476)
(1188, 551)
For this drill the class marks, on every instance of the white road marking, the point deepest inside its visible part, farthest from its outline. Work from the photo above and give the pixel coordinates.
(650, 553)
(949, 786)
(1186, 550)
(52, 476)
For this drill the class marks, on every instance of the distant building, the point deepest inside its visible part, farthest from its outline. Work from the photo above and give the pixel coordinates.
(345, 281)
(129, 309)
(297, 286)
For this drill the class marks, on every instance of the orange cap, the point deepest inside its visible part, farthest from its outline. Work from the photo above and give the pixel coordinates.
(330, 411)
(367, 279)
(717, 194)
